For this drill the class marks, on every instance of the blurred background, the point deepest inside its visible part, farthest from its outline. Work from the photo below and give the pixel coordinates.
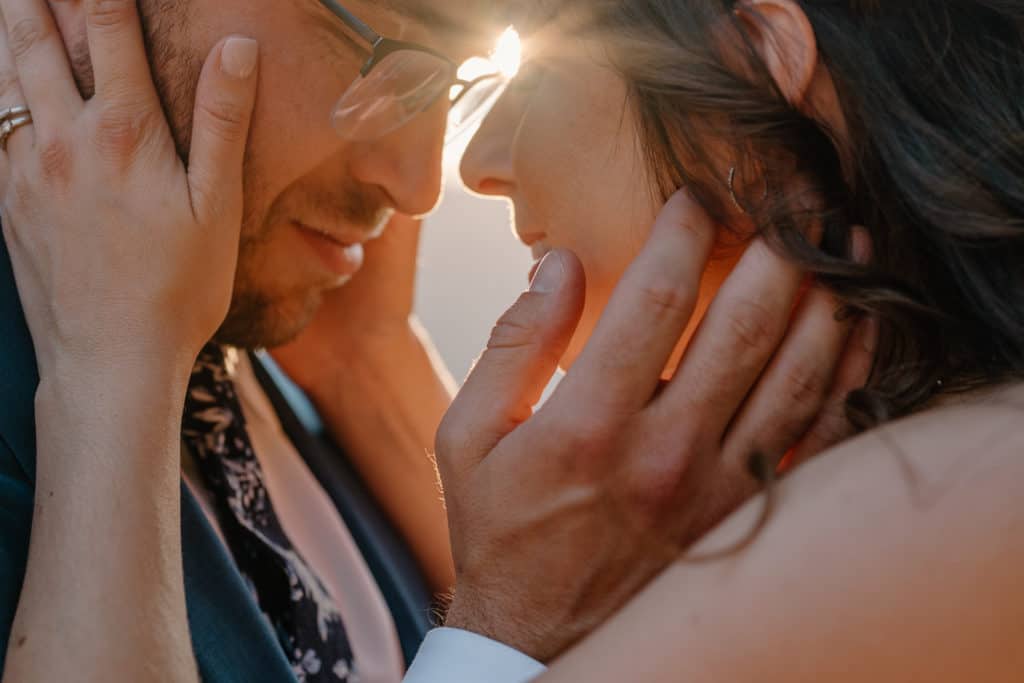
(472, 268)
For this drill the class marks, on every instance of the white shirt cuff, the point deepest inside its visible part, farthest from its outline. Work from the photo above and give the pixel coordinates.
(451, 655)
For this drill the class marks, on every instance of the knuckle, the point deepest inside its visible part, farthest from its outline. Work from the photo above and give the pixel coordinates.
(661, 482)
(26, 34)
(55, 161)
(668, 299)
(518, 326)
(587, 433)
(225, 120)
(752, 325)
(110, 13)
(120, 133)
(804, 384)
(583, 436)
(654, 487)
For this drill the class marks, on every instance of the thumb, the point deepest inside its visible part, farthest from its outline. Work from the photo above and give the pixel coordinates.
(520, 358)
(223, 110)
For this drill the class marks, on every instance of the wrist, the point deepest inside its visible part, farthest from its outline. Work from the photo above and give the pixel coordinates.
(144, 365)
(93, 402)
(110, 438)
(486, 618)
(355, 360)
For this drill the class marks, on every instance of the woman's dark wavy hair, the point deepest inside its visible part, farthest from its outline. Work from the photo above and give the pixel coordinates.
(932, 165)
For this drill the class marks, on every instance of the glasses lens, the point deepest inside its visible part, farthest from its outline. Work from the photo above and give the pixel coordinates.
(403, 85)
(473, 103)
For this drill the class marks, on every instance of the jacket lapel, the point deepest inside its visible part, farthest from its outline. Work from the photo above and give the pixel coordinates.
(232, 641)
(386, 553)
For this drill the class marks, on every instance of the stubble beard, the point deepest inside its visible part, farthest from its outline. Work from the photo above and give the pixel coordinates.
(251, 322)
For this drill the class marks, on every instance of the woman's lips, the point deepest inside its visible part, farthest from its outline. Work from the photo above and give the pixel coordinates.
(538, 256)
(344, 260)
(537, 247)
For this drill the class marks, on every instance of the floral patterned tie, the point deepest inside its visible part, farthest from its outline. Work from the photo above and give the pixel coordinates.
(306, 621)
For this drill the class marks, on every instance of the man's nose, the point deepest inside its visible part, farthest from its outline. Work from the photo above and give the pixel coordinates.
(406, 163)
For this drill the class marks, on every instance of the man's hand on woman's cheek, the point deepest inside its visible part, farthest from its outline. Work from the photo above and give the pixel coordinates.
(559, 516)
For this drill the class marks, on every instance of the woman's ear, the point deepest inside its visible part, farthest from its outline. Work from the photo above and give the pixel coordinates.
(784, 39)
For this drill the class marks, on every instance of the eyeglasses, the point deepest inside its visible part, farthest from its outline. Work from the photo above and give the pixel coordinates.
(401, 81)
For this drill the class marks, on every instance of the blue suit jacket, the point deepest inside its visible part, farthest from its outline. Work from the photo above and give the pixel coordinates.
(230, 638)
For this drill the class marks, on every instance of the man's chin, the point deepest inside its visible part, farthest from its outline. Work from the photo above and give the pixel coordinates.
(256, 322)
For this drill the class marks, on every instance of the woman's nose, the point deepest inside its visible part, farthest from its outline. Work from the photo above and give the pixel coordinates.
(487, 166)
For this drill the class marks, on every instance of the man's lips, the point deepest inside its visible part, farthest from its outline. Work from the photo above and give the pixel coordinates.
(342, 254)
(344, 237)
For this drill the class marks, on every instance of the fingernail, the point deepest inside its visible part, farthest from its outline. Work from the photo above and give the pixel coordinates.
(549, 275)
(238, 57)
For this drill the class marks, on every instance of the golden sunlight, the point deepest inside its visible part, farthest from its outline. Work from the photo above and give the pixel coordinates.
(508, 53)
(504, 59)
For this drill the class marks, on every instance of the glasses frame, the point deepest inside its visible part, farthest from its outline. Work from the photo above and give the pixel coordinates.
(380, 48)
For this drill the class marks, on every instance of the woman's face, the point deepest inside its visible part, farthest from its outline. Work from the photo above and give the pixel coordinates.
(562, 146)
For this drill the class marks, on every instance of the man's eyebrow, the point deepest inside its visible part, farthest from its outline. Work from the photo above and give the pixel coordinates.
(323, 18)
(427, 13)
(459, 26)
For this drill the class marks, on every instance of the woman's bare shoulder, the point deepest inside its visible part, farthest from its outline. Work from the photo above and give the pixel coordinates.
(894, 557)
(986, 425)
(962, 446)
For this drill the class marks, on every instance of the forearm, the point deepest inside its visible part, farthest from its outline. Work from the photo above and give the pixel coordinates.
(384, 403)
(103, 597)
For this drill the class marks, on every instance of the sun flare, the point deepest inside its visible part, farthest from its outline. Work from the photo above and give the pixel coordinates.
(508, 53)
(504, 59)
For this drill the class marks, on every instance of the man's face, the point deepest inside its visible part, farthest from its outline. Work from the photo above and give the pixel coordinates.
(301, 178)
